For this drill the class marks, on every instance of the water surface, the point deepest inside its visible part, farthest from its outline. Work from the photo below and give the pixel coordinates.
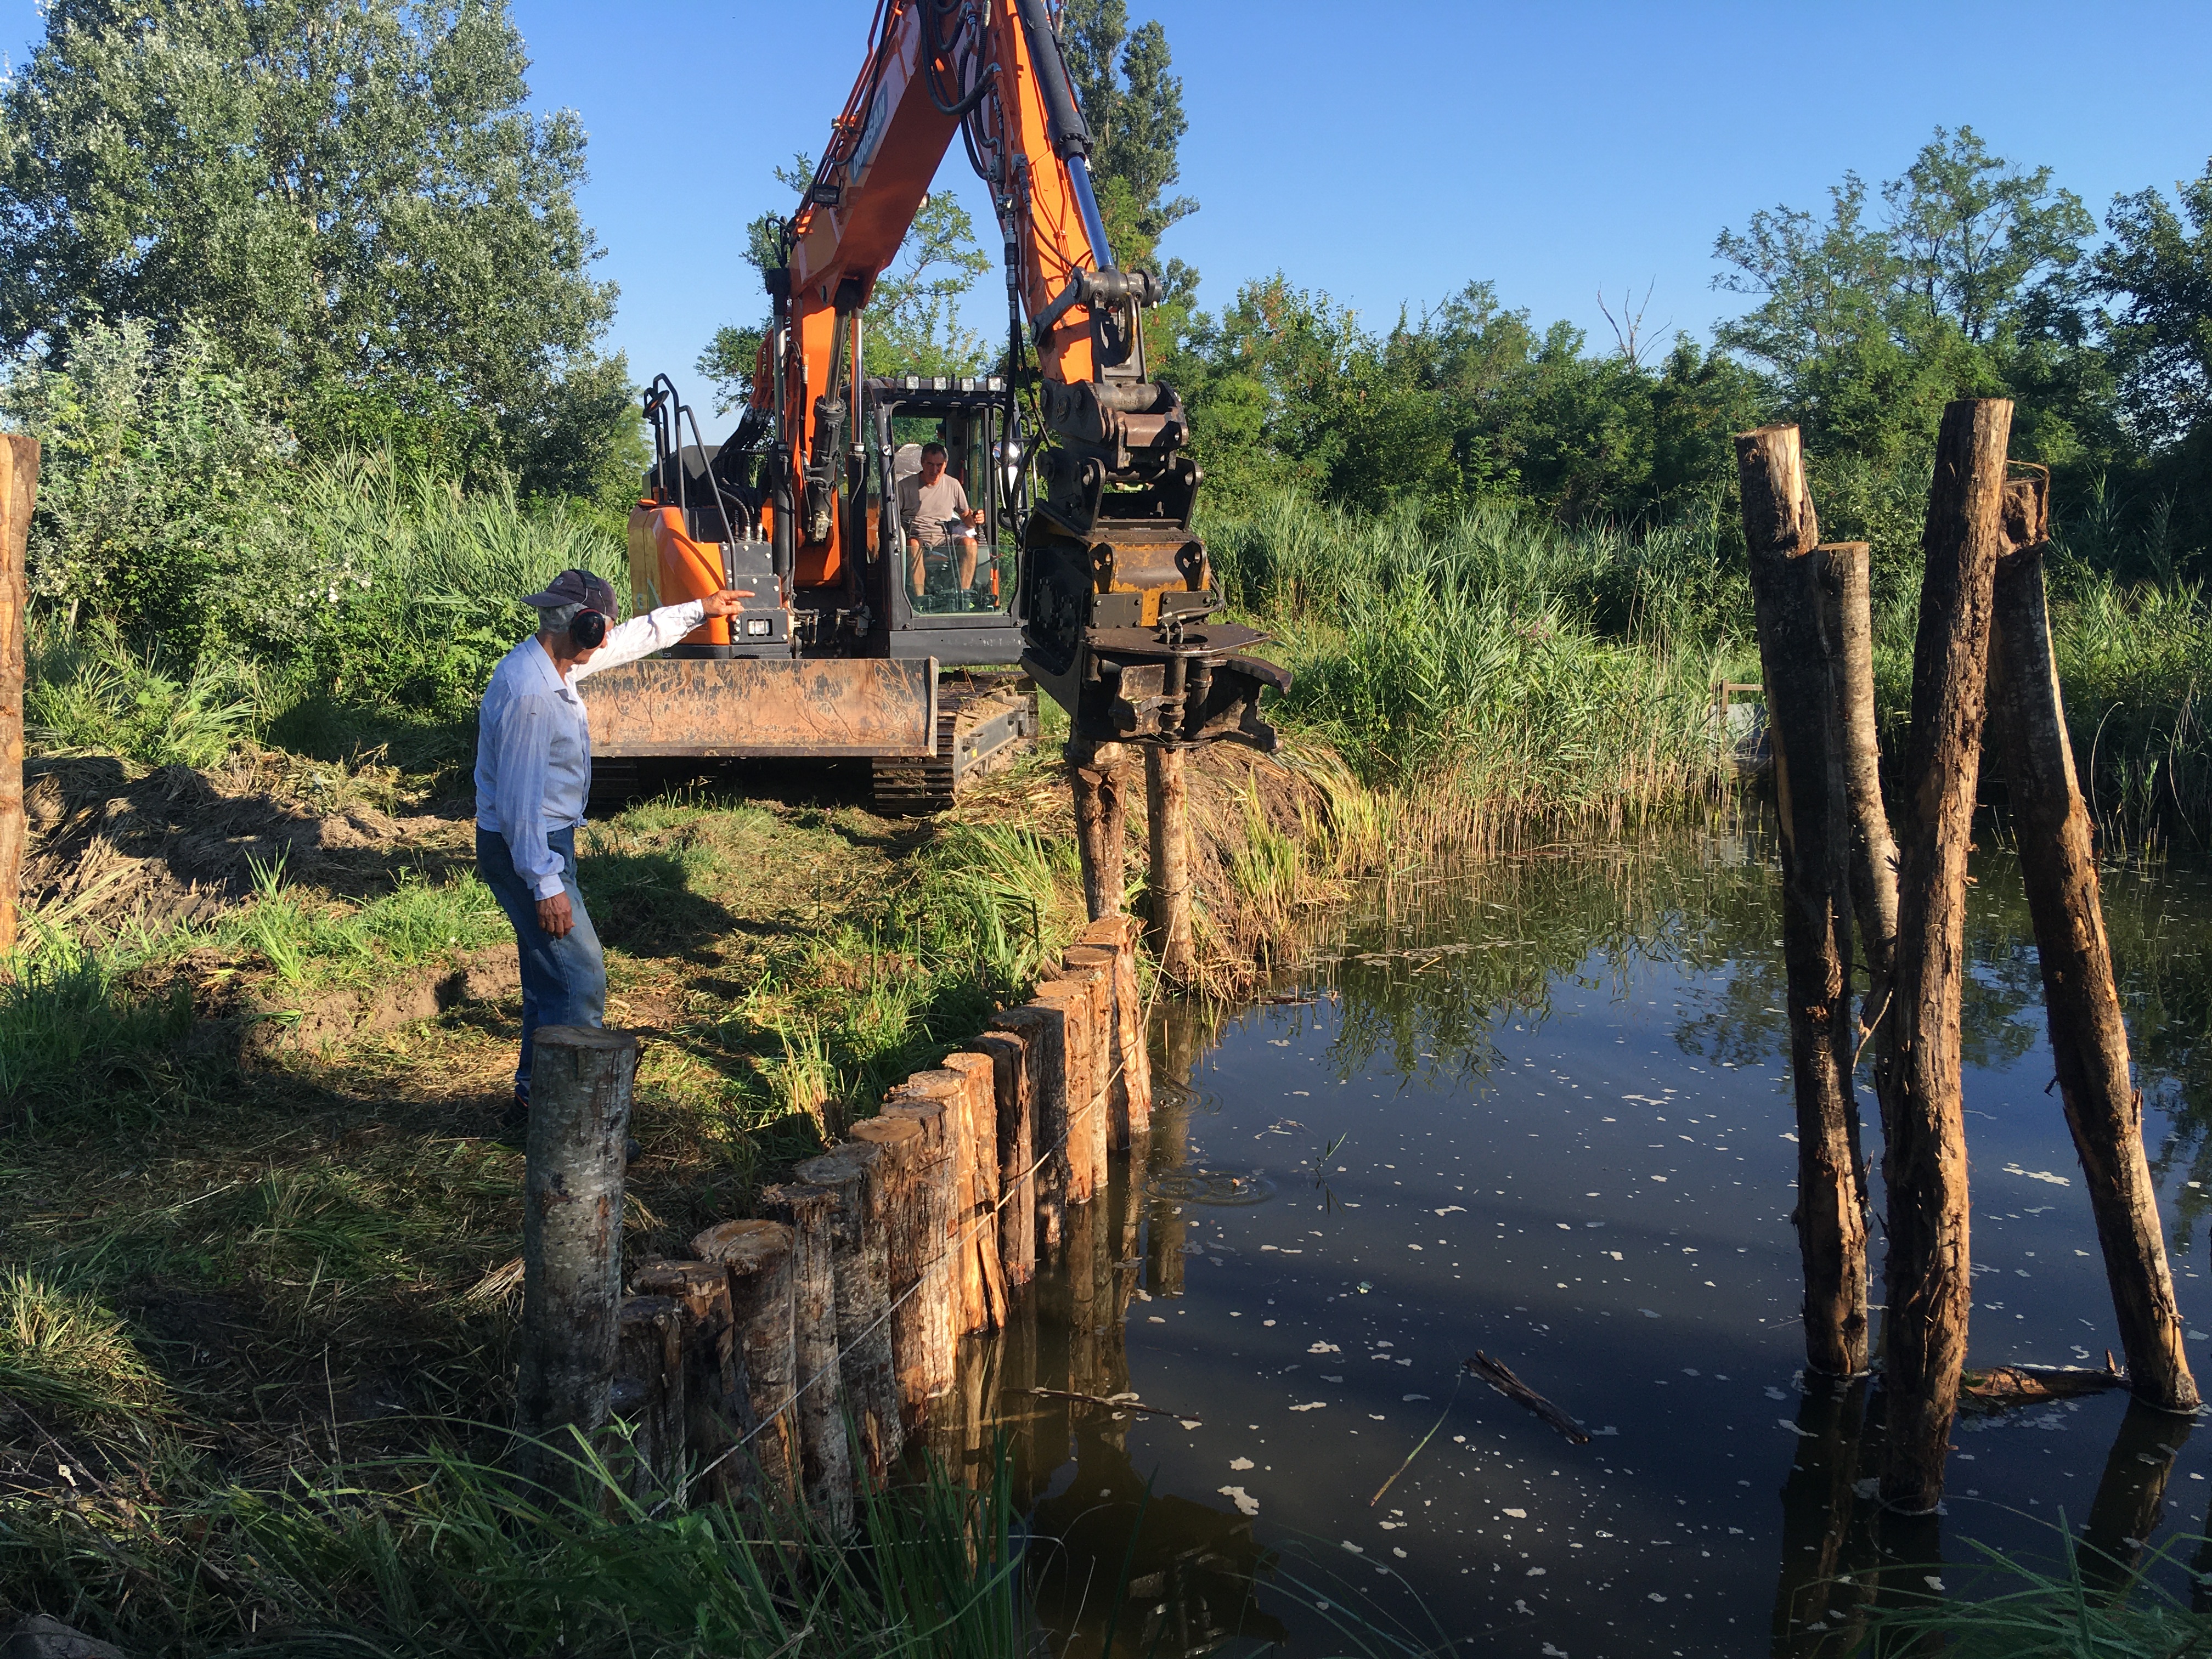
(1540, 1110)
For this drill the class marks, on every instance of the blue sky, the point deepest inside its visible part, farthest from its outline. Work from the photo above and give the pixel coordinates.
(1389, 153)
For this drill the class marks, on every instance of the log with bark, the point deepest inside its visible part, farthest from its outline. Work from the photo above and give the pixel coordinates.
(861, 1176)
(825, 1452)
(1500, 1377)
(757, 1256)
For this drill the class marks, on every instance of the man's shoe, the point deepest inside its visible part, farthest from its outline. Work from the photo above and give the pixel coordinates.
(517, 1116)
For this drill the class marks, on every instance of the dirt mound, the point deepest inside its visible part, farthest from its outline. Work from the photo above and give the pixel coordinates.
(110, 847)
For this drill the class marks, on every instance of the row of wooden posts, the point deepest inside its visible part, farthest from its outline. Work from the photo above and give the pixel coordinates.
(792, 1354)
(1981, 664)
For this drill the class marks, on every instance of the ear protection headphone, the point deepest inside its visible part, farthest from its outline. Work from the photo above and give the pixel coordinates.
(588, 629)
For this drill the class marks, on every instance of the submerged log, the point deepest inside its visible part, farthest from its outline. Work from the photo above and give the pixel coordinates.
(1500, 1377)
(824, 1453)
(860, 1177)
(1167, 810)
(757, 1256)
(649, 1394)
(2002, 1387)
(1846, 585)
(1098, 774)
(1929, 1274)
(1797, 662)
(581, 1079)
(2088, 1039)
(717, 1414)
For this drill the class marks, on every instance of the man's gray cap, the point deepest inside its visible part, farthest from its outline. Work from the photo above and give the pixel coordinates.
(577, 587)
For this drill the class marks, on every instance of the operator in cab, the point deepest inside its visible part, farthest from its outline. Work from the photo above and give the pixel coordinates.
(533, 775)
(935, 509)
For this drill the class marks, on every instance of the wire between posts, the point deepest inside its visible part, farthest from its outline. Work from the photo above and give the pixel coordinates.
(1096, 1103)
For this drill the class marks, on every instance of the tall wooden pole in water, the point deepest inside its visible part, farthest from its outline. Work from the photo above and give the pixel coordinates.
(2088, 1042)
(19, 492)
(1781, 531)
(1846, 591)
(1929, 1272)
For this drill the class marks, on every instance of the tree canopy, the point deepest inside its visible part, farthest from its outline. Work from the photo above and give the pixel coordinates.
(349, 196)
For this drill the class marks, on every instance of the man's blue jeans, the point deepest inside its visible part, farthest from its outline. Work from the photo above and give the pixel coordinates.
(564, 981)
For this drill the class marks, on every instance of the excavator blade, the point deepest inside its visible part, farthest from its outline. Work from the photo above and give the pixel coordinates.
(747, 708)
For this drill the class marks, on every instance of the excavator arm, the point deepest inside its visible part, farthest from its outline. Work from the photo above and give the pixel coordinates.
(1113, 590)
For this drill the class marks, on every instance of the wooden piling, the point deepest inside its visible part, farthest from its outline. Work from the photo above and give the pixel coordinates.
(980, 1217)
(1782, 532)
(1167, 811)
(1846, 588)
(1929, 1271)
(716, 1412)
(650, 1394)
(1012, 1071)
(1098, 776)
(1090, 1127)
(19, 494)
(2088, 1040)
(581, 1081)
(1062, 1025)
(825, 1460)
(757, 1256)
(1132, 1095)
(1044, 1057)
(923, 1282)
(861, 1177)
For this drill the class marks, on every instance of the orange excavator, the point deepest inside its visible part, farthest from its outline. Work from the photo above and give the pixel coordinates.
(867, 635)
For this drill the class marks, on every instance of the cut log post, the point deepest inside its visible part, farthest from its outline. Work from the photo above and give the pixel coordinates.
(825, 1457)
(572, 1215)
(922, 1279)
(1042, 1030)
(716, 1412)
(1929, 1274)
(1827, 1544)
(967, 1301)
(1795, 657)
(1132, 1091)
(861, 1176)
(1167, 811)
(1072, 1005)
(19, 494)
(1092, 1131)
(649, 1394)
(1182, 1039)
(1012, 1068)
(2088, 1040)
(1097, 774)
(1846, 588)
(757, 1256)
(979, 1221)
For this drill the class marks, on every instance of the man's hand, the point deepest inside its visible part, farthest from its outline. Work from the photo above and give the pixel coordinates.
(554, 915)
(973, 515)
(724, 604)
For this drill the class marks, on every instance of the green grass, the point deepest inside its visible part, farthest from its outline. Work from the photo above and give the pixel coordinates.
(66, 1355)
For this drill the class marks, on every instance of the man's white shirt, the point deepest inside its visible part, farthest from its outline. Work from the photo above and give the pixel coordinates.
(534, 739)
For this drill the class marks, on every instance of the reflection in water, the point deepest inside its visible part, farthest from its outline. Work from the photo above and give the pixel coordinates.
(1541, 1109)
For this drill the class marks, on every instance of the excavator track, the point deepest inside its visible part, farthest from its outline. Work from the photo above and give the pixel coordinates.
(983, 721)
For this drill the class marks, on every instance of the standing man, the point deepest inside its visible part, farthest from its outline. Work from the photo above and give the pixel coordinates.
(935, 509)
(533, 773)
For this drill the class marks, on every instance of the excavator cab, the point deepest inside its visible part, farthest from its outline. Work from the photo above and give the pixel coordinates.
(962, 607)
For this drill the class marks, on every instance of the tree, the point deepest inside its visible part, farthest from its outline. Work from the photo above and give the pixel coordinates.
(912, 322)
(1133, 107)
(2159, 264)
(350, 195)
(1979, 243)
